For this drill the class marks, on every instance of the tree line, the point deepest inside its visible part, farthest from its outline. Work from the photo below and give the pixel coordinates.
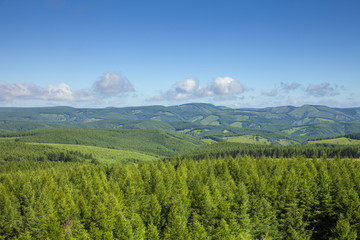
(220, 150)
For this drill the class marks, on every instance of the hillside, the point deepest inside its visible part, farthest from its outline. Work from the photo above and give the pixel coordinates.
(347, 139)
(155, 142)
(292, 124)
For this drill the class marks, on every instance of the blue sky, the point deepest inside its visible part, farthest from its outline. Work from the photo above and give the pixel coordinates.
(255, 53)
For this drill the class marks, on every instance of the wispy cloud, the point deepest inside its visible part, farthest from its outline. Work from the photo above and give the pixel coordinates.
(190, 89)
(321, 90)
(289, 87)
(283, 88)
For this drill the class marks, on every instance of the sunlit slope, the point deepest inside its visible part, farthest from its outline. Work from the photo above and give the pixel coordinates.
(153, 142)
(348, 139)
(103, 155)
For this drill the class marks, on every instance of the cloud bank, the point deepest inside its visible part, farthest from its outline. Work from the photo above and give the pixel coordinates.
(191, 89)
(109, 85)
(29, 91)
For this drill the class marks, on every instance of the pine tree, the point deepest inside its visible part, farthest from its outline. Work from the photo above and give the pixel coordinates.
(176, 227)
(264, 220)
(292, 225)
(343, 230)
(196, 229)
(223, 231)
(152, 233)
(122, 227)
(53, 230)
(151, 211)
(138, 227)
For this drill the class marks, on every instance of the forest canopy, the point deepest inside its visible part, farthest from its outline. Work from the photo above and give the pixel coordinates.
(225, 198)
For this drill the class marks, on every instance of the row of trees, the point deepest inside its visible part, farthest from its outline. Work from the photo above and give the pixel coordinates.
(220, 150)
(227, 198)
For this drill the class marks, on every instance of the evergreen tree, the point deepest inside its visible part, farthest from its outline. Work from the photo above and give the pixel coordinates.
(264, 220)
(343, 230)
(152, 233)
(197, 230)
(223, 231)
(292, 224)
(138, 227)
(53, 230)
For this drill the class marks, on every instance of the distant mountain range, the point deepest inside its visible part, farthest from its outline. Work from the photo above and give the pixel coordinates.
(277, 125)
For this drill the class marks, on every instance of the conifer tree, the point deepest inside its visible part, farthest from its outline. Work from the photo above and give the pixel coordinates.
(152, 233)
(343, 230)
(292, 224)
(138, 227)
(196, 229)
(53, 229)
(223, 231)
(264, 220)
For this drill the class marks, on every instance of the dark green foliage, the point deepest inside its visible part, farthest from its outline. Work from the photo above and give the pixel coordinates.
(227, 198)
(15, 151)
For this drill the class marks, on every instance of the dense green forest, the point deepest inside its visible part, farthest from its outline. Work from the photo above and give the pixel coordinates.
(225, 198)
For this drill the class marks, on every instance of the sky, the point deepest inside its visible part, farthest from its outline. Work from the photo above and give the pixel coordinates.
(240, 53)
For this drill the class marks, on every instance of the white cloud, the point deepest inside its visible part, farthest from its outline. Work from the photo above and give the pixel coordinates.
(190, 89)
(187, 85)
(112, 84)
(60, 92)
(321, 90)
(226, 86)
(29, 91)
(10, 91)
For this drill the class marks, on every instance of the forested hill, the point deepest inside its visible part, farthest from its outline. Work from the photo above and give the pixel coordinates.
(306, 121)
(154, 142)
(193, 112)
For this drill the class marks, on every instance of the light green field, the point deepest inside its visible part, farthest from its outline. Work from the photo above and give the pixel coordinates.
(337, 141)
(104, 155)
(210, 120)
(325, 120)
(247, 139)
(292, 130)
(286, 142)
(236, 124)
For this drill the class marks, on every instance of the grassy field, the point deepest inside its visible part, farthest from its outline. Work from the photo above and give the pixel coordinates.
(103, 155)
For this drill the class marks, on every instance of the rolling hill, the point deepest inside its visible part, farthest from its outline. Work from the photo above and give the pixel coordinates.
(153, 142)
(342, 140)
(278, 125)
